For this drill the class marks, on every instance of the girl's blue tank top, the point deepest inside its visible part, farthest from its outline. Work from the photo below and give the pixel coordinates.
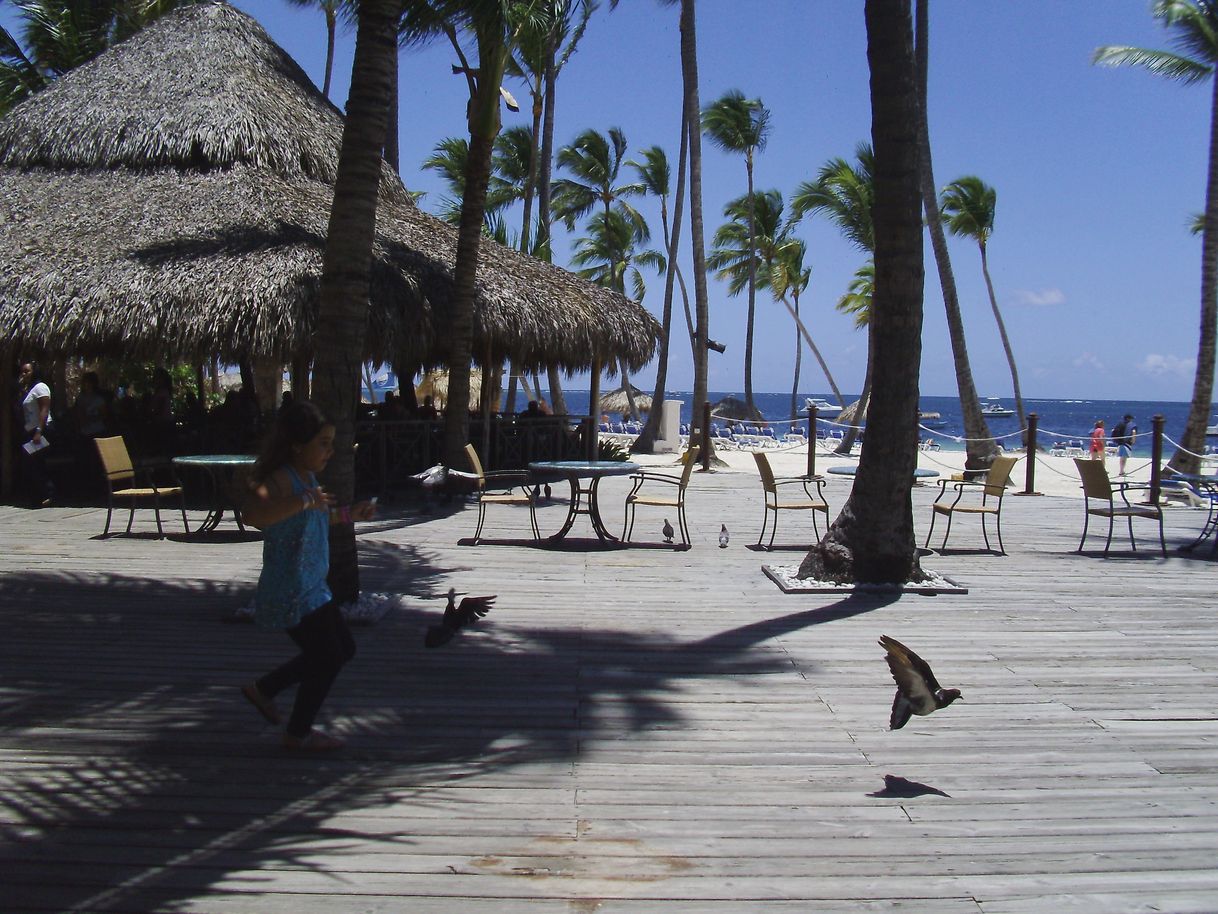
(295, 562)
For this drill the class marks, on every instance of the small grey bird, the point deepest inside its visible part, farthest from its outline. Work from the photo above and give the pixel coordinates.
(456, 617)
(668, 531)
(723, 536)
(918, 691)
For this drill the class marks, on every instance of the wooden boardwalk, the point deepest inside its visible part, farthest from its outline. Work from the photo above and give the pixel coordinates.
(629, 731)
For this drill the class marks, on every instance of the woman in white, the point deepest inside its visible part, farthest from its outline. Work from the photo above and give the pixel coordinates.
(36, 412)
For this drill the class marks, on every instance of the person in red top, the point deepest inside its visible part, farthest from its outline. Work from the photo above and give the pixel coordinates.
(1098, 440)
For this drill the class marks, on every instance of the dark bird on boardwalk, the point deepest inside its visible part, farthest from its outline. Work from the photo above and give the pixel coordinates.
(668, 531)
(723, 537)
(456, 617)
(918, 691)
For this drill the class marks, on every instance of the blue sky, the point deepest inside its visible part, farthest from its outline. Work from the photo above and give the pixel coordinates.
(1097, 173)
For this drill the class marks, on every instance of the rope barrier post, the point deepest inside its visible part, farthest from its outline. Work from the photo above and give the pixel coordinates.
(706, 437)
(1156, 455)
(811, 439)
(1029, 483)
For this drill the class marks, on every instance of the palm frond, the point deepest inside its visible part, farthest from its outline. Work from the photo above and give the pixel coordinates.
(1160, 63)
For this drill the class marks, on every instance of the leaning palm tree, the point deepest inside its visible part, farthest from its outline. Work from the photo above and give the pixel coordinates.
(1194, 29)
(968, 206)
(786, 277)
(329, 9)
(980, 448)
(493, 27)
(741, 125)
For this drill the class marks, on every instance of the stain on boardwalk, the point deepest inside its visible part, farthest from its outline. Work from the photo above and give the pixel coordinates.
(631, 730)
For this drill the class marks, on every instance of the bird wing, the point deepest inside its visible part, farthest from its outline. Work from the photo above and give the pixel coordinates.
(914, 660)
(471, 609)
(900, 712)
(912, 686)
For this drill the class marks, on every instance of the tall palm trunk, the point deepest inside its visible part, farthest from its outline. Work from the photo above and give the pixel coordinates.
(346, 268)
(1184, 460)
(799, 355)
(331, 34)
(803, 331)
(645, 442)
(980, 449)
(872, 540)
(558, 402)
(689, 73)
(1006, 342)
(752, 314)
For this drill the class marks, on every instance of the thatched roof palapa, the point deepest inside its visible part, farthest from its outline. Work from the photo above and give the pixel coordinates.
(172, 197)
(616, 401)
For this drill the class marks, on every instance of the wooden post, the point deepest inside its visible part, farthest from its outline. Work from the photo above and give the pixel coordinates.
(1029, 484)
(706, 437)
(811, 439)
(1156, 456)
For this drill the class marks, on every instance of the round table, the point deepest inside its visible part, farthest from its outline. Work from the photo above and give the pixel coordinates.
(918, 473)
(219, 494)
(574, 471)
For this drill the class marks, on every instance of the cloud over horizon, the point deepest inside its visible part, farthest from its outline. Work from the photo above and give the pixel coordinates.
(1167, 365)
(1039, 298)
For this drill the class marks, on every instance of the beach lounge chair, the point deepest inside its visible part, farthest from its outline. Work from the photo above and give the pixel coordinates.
(670, 499)
(498, 489)
(1099, 500)
(119, 470)
(991, 487)
(774, 502)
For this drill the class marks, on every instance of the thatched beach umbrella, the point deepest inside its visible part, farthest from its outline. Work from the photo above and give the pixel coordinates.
(434, 384)
(171, 197)
(616, 401)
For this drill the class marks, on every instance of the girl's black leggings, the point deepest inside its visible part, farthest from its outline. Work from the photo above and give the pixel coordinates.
(325, 645)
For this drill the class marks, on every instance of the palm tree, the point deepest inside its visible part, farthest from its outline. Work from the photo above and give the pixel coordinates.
(1194, 28)
(872, 539)
(493, 27)
(741, 125)
(857, 302)
(980, 448)
(329, 9)
(347, 264)
(450, 159)
(609, 254)
(787, 276)
(968, 206)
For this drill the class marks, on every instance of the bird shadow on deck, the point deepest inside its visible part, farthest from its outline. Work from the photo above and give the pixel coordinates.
(133, 776)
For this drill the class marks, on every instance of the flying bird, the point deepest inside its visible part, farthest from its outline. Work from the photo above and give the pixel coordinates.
(918, 691)
(668, 531)
(456, 617)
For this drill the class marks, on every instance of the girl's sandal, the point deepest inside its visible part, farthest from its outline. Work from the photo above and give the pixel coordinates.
(265, 706)
(313, 741)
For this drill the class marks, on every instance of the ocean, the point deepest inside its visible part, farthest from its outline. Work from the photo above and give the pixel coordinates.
(1059, 420)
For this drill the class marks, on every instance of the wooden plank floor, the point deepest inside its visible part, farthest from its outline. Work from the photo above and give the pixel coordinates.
(629, 731)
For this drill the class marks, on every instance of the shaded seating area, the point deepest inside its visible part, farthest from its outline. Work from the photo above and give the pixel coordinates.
(119, 471)
(774, 489)
(1102, 499)
(990, 489)
(663, 490)
(499, 489)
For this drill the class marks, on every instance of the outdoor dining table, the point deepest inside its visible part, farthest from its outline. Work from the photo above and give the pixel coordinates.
(219, 470)
(1209, 485)
(583, 497)
(918, 473)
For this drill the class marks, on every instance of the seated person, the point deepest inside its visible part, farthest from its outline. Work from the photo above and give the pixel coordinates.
(532, 411)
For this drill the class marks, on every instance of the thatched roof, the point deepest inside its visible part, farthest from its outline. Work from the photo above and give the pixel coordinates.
(616, 401)
(190, 219)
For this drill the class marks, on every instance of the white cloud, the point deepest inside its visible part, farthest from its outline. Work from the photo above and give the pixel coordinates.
(1167, 365)
(1039, 298)
(1088, 360)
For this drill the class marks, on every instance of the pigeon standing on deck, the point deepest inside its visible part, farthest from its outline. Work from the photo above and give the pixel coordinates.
(723, 536)
(668, 531)
(918, 692)
(456, 617)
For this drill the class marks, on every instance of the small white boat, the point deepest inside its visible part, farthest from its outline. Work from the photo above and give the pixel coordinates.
(996, 411)
(1211, 431)
(931, 420)
(822, 406)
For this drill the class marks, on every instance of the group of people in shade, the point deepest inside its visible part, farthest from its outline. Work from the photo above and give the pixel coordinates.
(1123, 436)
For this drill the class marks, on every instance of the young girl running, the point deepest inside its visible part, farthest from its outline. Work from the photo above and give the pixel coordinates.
(294, 514)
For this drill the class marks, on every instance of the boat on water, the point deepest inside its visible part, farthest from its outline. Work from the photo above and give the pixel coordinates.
(1211, 431)
(931, 420)
(996, 411)
(822, 406)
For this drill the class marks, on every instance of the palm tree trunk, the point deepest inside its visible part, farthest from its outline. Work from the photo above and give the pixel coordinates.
(860, 408)
(799, 354)
(872, 540)
(980, 449)
(1006, 343)
(824, 366)
(1185, 459)
(689, 72)
(346, 268)
(558, 402)
(331, 33)
(752, 313)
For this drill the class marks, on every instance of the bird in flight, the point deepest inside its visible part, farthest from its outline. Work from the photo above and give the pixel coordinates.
(918, 691)
(456, 617)
(668, 531)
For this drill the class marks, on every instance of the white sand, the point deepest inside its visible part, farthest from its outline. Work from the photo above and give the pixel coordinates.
(1054, 475)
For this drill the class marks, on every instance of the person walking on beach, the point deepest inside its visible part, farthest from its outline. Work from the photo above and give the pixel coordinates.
(294, 514)
(35, 416)
(1124, 434)
(1098, 441)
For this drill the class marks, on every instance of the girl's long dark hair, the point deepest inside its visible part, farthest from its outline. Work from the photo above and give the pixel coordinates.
(296, 424)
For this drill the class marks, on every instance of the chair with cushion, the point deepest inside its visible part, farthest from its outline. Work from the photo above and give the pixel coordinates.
(496, 488)
(670, 499)
(774, 502)
(991, 488)
(119, 470)
(1099, 500)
